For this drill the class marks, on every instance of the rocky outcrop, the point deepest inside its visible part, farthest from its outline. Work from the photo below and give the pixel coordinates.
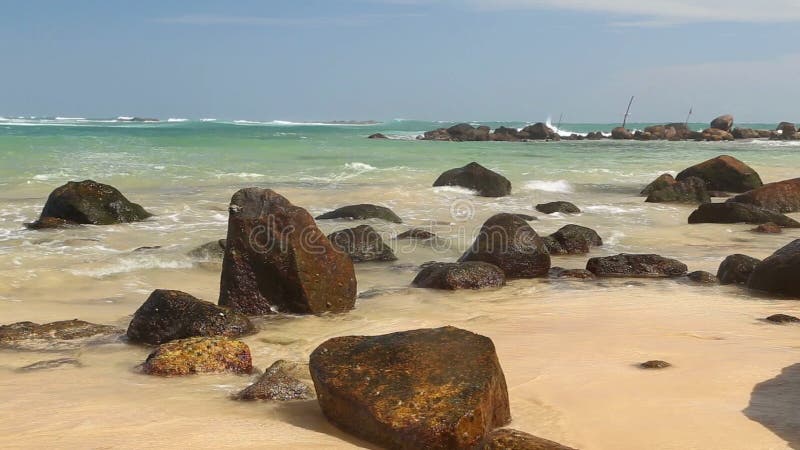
(463, 275)
(478, 178)
(736, 269)
(595, 136)
(782, 318)
(724, 123)
(688, 190)
(572, 240)
(768, 228)
(417, 234)
(746, 133)
(511, 244)
(781, 196)
(539, 132)
(636, 266)
(214, 250)
(712, 135)
(724, 173)
(739, 213)
(621, 133)
(788, 131)
(283, 381)
(362, 244)
(88, 202)
(377, 136)
(278, 260)
(558, 207)
(362, 212)
(170, 315)
(199, 355)
(508, 439)
(431, 388)
(56, 336)
(778, 274)
(462, 132)
(703, 277)
(506, 134)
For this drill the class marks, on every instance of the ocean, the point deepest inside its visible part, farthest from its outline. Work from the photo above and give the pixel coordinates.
(569, 349)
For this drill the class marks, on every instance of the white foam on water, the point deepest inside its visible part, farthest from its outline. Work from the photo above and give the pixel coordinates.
(133, 264)
(561, 132)
(359, 166)
(209, 119)
(611, 209)
(240, 175)
(172, 119)
(454, 190)
(561, 186)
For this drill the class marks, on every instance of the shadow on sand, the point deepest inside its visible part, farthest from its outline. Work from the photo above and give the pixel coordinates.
(308, 415)
(774, 404)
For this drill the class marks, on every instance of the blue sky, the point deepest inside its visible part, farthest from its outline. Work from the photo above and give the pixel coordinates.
(384, 59)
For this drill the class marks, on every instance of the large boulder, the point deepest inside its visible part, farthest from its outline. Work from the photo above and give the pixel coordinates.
(572, 240)
(464, 275)
(277, 259)
(739, 213)
(509, 243)
(724, 173)
(439, 134)
(688, 190)
(736, 269)
(465, 132)
(478, 178)
(539, 131)
(362, 212)
(508, 439)
(788, 131)
(56, 336)
(745, 133)
(199, 355)
(558, 207)
(362, 243)
(621, 133)
(781, 196)
(169, 315)
(506, 134)
(778, 273)
(282, 381)
(712, 135)
(663, 181)
(724, 123)
(433, 388)
(636, 266)
(88, 202)
(682, 130)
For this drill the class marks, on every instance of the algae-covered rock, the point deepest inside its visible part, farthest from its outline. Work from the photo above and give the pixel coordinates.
(56, 336)
(90, 202)
(199, 355)
(282, 381)
(508, 439)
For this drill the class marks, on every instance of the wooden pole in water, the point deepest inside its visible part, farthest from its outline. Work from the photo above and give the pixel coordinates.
(688, 116)
(627, 112)
(561, 116)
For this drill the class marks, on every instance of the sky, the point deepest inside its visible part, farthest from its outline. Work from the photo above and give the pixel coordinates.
(465, 60)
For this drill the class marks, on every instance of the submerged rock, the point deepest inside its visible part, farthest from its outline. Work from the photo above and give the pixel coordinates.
(662, 182)
(169, 315)
(781, 197)
(477, 178)
(688, 190)
(655, 365)
(277, 259)
(703, 277)
(59, 363)
(578, 274)
(778, 273)
(558, 207)
(739, 213)
(736, 269)
(88, 202)
(199, 355)
(768, 228)
(214, 250)
(430, 388)
(377, 136)
(463, 275)
(572, 240)
(362, 212)
(511, 244)
(724, 173)
(56, 336)
(44, 223)
(782, 318)
(636, 266)
(508, 439)
(416, 233)
(283, 381)
(362, 244)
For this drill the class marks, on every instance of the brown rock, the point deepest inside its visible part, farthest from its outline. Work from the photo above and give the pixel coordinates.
(768, 228)
(416, 233)
(572, 240)
(283, 381)
(687, 190)
(88, 202)
(636, 266)
(736, 269)
(463, 275)
(508, 439)
(724, 173)
(362, 244)
(56, 336)
(729, 212)
(778, 273)
(621, 133)
(655, 365)
(663, 181)
(199, 355)
(377, 136)
(781, 196)
(478, 178)
(724, 123)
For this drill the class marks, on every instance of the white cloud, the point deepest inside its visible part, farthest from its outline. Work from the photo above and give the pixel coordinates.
(665, 12)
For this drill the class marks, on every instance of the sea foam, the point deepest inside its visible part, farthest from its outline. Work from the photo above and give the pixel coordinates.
(550, 186)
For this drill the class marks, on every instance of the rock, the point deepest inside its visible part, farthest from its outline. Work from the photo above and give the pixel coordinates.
(277, 259)
(199, 355)
(782, 318)
(362, 244)
(768, 228)
(283, 381)
(682, 130)
(688, 190)
(745, 133)
(662, 182)
(621, 133)
(713, 135)
(527, 217)
(781, 196)
(439, 134)
(56, 336)
(377, 136)
(778, 273)
(464, 132)
(724, 123)
(739, 213)
(595, 136)
(572, 240)
(44, 223)
(636, 266)
(703, 277)
(508, 439)
(788, 130)
(59, 363)
(736, 269)
(362, 212)
(579, 274)
(655, 365)
(88, 202)
(169, 315)
(724, 173)
(560, 207)
(462, 275)
(511, 244)
(719, 194)
(540, 131)
(416, 233)
(478, 178)
(214, 250)
(506, 134)
(422, 389)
